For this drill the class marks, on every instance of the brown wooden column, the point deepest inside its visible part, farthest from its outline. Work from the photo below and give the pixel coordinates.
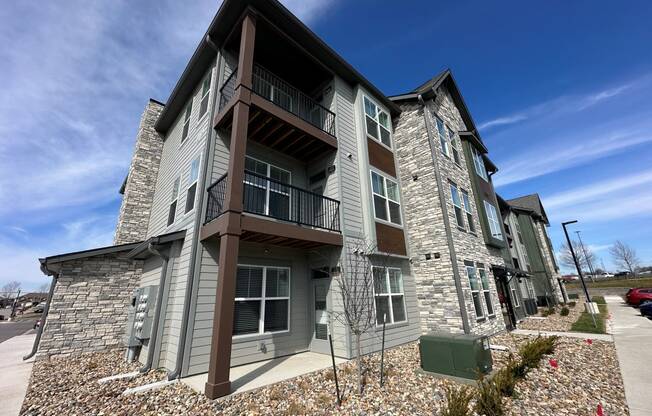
(219, 383)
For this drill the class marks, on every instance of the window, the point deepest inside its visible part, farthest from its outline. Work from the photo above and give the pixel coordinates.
(456, 152)
(205, 90)
(377, 122)
(172, 212)
(494, 224)
(387, 206)
(457, 203)
(467, 208)
(441, 131)
(515, 297)
(192, 188)
(263, 196)
(186, 121)
(262, 300)
(478, 162)
(475, 289)
(388, 294)
(485, 289)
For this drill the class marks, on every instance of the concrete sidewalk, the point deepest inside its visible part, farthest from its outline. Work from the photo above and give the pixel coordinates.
(633, 338)
(15, 372)
(583, 335)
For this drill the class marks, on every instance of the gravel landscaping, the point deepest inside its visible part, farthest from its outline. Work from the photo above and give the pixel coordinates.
(587, 374)
(554, 322)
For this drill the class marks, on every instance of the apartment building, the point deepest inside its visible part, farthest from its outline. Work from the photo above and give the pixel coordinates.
(250, 193)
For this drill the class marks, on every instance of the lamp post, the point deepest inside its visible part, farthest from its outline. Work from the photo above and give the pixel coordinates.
(579, 270)
(586, 256)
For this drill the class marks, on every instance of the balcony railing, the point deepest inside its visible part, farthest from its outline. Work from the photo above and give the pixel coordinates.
(271, 198)
(272, 88)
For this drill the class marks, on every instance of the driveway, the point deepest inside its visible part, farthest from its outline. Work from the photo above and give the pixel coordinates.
(633, 338)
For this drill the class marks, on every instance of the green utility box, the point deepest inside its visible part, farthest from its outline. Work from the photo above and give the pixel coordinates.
(458, 355)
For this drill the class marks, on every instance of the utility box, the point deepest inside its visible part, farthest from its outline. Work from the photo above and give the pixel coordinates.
(140, 317)
(457, 355)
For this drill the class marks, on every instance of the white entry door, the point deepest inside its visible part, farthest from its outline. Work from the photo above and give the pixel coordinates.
(320, 318)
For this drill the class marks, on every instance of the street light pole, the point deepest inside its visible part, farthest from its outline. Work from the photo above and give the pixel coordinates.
(586, 256)
(577, 265)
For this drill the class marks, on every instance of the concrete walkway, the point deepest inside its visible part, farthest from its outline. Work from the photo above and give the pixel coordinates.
(583, 335)
(252, 376)
(633, 338)
(15, 372)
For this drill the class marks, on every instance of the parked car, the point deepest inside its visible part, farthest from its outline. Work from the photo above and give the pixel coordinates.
(636, 296)
(39, 308)
(646, 309)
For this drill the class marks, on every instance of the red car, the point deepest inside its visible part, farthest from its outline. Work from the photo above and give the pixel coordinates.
(636, 296)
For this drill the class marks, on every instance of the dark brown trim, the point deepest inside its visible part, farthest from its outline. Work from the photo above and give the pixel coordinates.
(290, 231)
(390, 239)
(380, 157)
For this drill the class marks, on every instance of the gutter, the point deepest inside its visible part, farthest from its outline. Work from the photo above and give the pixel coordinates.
(153, 248)
(449, 235)
(44, 315)
(183, 333)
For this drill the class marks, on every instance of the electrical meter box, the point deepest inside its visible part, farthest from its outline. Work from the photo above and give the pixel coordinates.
(141, 311)
(458, 355)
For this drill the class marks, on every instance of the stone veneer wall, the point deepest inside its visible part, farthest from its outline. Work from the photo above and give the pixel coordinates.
(436, 292)
(141, 180)
(89, 306)
(542, 236)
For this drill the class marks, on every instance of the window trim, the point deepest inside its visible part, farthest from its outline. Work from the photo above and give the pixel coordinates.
(261, 319)
(490, 220)
(175, 185)
(190, 184)
(389, 295)
(454, 186)
(385, 177)
(377, 121)
(443, 141)
(466, 203)
(478, 291)
(478, 163)
(486, 291)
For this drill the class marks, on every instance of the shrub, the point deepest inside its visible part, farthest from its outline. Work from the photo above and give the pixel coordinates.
(505, 380)
(532, 351)
(457, 401)
(548, 312)
(296, 408)
(489, 401)
(572, 304)
(564, 311)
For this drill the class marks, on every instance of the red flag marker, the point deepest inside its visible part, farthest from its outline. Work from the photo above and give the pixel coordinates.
(599, 411)
(589, 341)
(553, 363)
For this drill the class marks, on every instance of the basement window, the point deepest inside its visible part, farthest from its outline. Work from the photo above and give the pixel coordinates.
(172, 212)
(191, 193)
(262, 300)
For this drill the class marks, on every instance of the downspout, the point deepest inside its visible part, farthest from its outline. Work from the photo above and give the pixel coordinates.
(183, 334)
(157, 311)
(44, 315)
(449, 235)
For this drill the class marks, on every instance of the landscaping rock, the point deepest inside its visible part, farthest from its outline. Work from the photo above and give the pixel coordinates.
(554, 322)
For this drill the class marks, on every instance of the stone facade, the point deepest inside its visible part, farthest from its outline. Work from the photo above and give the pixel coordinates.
(553, 272)
(138, 192)
(88, 311)
(435, 281)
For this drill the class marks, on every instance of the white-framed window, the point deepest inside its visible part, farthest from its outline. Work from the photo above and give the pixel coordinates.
(262, 300)
(193, 176)
(457, 205)
(454, 148)
(441, 132)
(478, 162)
(389, 295)
(467, 209)
(186, 121)
(486, 291)
(205, 90)
(174, 197)
(517, 303)
(492, 218)
(377, 123)
(476, 289)
(387, 205)
(263, 196)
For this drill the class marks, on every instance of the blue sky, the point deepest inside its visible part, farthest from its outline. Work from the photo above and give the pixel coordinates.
(559, 92)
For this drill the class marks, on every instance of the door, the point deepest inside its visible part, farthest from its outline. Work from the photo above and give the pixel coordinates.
(320, 318)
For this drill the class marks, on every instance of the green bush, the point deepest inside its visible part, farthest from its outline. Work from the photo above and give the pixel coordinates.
(489, 401)
(505, 380)
(564, 311)
(572, 304)
(548, 312)
(457, 401)
(532, 351)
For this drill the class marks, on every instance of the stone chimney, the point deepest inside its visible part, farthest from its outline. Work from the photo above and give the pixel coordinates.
(138, 187)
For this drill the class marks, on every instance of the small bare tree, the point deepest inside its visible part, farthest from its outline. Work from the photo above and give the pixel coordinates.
(624, 256)
(355, 284)
(585, 256)
(10, 289)
(44, 288)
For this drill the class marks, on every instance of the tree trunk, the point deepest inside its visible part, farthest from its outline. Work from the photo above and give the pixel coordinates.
(359, 363)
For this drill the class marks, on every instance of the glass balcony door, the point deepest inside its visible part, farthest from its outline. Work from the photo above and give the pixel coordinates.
(264, 196)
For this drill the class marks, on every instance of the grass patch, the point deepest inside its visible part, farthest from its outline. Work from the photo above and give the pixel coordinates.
(624, 283)
(585, 322)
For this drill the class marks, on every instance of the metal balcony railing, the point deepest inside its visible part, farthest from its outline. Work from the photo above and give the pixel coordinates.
(272, 88)
(271, 198)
